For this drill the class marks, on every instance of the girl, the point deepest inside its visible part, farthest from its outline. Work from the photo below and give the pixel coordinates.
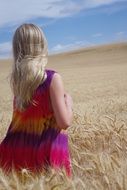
(42, 111)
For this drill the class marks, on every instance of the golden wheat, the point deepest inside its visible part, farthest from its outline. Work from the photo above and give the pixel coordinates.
(96, 79)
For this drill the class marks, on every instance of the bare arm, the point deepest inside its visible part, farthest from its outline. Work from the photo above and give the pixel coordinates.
(61, 102)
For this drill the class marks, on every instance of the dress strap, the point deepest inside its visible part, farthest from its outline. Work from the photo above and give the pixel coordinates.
(50, 74)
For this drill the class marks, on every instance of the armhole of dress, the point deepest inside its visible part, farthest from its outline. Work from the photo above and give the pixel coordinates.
(50, 75)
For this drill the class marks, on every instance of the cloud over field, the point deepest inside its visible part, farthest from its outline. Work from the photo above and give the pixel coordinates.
(15, 11)
(72, 46)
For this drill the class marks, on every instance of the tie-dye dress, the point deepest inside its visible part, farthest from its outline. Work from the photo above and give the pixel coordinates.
(33, 140)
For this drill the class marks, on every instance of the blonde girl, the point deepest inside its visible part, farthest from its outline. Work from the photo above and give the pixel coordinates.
(42, 111)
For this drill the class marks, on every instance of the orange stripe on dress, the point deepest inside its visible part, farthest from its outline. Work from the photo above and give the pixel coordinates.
(32, 126)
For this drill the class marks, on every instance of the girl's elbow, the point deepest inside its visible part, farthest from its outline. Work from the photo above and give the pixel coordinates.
(65, 124)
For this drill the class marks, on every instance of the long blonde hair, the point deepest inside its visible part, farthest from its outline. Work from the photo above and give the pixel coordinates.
(30, 58)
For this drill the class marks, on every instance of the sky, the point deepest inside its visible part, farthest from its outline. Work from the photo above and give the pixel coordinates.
(67, 24)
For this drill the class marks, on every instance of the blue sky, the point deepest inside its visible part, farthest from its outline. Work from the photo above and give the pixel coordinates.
(67, 24)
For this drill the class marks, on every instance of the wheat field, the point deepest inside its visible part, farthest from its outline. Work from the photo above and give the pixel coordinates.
(96, 78)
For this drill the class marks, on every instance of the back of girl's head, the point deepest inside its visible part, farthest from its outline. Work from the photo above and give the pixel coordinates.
(30, 58)
(28, 40)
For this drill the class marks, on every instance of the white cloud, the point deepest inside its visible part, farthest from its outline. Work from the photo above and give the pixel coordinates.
(13, 11)
(96, 3)
(66, 47)
(120, 33)
(121, 36)
(97, 35)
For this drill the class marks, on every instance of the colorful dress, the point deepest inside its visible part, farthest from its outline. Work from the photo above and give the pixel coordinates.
(33, 140)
